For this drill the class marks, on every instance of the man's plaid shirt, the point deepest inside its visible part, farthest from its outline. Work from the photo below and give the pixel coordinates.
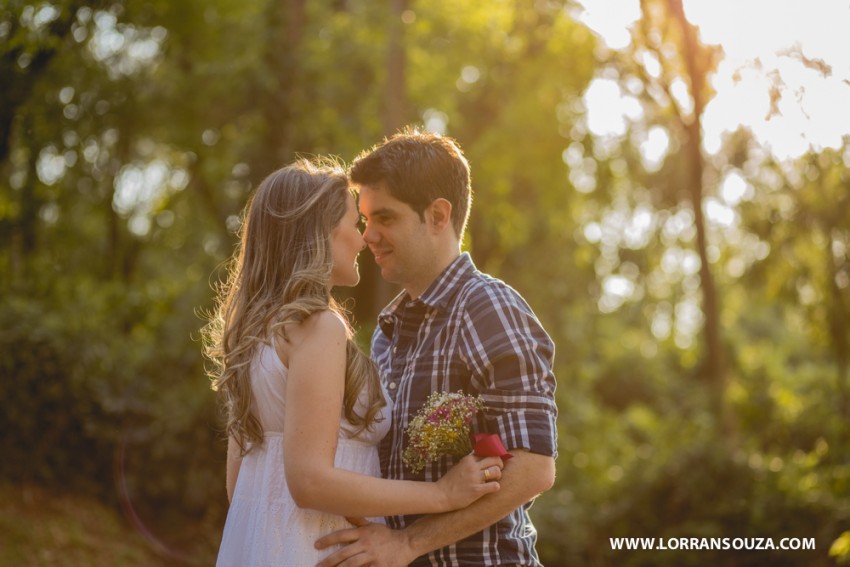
(470, 332)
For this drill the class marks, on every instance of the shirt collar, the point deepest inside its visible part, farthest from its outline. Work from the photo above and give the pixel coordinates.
(442, 290)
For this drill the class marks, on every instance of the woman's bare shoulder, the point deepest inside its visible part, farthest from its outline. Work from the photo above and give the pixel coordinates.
(322, 327)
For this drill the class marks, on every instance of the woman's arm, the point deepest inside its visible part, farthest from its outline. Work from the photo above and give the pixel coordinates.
(314, 396)
(234, 461)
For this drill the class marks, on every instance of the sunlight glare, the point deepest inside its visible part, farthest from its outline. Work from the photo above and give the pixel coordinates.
(734, 188)
(609, 19)
(616, 290)
(435, 120)
(766, 44)
(51, 165)
(638, 232)
(654, 148)
(719, 213)
(608, 108)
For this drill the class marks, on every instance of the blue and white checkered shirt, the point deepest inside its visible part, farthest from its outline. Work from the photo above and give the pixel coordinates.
(471, 332)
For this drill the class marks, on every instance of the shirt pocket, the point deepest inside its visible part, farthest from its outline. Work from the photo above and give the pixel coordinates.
(446, 373)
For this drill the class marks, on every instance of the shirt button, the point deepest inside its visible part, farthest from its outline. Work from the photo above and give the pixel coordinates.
(395, 349)
(392, 386)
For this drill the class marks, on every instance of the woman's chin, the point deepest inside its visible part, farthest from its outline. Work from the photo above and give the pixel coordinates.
(347, 280)
(351, 281)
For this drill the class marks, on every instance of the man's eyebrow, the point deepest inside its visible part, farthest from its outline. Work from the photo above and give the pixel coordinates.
(383, 212)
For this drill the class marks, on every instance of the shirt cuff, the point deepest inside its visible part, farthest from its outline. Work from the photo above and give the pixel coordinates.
(535, 431)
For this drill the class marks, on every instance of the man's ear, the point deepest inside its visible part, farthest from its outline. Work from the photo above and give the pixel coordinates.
(440, 214)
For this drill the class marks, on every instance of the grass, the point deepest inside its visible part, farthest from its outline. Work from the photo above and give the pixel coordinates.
(45, 529)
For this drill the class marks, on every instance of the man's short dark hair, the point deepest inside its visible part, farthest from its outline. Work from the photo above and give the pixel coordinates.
(417, 168)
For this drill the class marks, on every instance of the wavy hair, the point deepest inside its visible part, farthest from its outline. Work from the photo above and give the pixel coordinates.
(279, 276)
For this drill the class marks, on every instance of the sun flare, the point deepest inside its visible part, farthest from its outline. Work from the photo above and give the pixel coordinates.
(799, 49)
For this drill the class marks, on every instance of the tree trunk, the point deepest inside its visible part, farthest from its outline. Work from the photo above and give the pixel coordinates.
(277, 95)
(395, 95)
(838, 330)
(714, 369)
(378, 292)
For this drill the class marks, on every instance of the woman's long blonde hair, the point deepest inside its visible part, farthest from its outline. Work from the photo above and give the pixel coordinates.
(279, 276)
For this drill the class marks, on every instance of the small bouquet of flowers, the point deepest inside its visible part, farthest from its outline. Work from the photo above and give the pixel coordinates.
(442, 427)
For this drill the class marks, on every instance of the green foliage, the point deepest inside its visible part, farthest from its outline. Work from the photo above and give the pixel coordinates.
(49, 413)
(103, 376)
(840, 549)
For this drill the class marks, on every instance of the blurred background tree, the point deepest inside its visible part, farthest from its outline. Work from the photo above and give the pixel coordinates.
(694, 277)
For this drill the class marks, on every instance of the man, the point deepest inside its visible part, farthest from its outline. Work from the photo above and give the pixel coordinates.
(452, 328)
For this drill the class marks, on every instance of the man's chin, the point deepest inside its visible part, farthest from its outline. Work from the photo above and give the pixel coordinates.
(389, 276)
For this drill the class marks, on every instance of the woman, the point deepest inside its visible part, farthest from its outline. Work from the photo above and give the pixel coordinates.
(305, 408)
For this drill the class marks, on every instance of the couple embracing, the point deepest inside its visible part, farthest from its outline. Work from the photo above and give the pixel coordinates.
(317, 429)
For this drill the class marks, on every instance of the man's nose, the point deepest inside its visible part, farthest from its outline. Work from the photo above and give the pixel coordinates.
(370, 235)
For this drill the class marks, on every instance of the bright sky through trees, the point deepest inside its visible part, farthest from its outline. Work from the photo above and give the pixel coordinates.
(800, 47)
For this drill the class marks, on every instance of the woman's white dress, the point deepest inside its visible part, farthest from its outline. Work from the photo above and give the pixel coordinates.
(264, 527)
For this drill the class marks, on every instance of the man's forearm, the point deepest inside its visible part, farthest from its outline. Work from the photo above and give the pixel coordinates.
(524, 477)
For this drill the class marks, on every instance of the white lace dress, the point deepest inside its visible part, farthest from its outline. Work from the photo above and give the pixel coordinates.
(264, 527)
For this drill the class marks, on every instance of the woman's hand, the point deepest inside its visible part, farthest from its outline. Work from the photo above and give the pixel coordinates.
(470, 479)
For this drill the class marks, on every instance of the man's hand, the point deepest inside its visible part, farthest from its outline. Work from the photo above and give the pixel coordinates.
(370, 544)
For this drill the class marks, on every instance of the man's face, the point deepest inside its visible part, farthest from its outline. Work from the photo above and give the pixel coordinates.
(398, 238)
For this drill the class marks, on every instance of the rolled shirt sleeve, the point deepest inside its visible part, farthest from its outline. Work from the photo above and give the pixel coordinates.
(510, 356)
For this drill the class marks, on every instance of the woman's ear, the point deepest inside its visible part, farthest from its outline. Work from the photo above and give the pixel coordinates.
(440, 214)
